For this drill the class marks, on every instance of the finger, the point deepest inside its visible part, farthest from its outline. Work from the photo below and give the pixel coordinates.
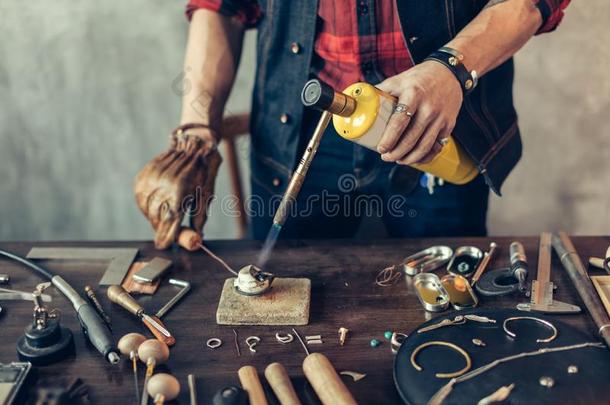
(169, 160)
(389, 86)
(397, 124)
(437, 147)
(409, 139)
(182, 167)
(425, 144)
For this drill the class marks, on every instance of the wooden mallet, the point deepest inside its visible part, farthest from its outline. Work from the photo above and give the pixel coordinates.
(151, 352)
(128, 346)
(163, 387)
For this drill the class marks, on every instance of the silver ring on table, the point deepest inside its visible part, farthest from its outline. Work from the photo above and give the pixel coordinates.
(402, 108)
(530, 318)
(443, 141)
(285, 339)
(396, 341)
(213, 343)
(252, 341)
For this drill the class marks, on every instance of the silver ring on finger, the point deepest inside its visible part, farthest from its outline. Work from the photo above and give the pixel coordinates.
(443, 141)
(403, 108)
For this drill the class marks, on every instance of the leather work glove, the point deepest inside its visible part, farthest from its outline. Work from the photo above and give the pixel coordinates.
(177, 182)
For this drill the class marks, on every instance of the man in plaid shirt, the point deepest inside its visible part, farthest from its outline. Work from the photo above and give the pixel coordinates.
(341, 42)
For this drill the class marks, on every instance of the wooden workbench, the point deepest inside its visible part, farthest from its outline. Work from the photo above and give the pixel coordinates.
(343, 294)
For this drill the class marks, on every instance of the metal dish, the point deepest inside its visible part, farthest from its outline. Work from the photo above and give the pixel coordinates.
(461, 295)
(465, 260)
(427, 260)
(430, 292)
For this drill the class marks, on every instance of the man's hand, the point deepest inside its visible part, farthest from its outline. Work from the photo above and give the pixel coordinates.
(433, 96)
(176, 181)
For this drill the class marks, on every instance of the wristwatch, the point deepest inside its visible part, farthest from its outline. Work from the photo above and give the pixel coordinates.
(453, 60)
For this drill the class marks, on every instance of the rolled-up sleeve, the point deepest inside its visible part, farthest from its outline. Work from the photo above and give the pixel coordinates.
(552, 13)
(246, 11)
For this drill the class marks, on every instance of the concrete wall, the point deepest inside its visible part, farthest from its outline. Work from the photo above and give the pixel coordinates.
(89, 94)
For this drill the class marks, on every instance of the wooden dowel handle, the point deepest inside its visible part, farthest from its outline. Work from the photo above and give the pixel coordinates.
(280, 383)
(248, 377)
(325, 381)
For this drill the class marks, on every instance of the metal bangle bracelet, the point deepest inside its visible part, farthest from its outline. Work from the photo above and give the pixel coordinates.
(213, 343)
(447, 344)
(530, 318)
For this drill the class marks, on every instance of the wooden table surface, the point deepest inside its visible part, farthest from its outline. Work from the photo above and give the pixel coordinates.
(343, 294)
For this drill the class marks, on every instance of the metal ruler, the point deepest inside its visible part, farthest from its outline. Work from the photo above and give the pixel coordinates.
(542, 288)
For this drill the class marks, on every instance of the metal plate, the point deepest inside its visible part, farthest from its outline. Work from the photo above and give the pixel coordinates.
(120, 259)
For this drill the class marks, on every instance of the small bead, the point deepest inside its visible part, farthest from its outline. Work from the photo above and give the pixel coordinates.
(547, 381)
(388, 334)
(375, 343)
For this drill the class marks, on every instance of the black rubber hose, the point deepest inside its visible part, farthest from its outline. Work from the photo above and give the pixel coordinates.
(45, 273)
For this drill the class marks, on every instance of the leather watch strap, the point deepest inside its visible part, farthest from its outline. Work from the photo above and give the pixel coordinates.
(452, 60)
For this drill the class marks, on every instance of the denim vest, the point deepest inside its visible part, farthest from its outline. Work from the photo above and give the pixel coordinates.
(486, 126)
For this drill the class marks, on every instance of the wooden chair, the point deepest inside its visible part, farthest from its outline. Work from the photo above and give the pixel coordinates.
(233, 127)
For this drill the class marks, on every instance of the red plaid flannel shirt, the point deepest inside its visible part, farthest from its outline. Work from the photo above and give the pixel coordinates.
(340, 52)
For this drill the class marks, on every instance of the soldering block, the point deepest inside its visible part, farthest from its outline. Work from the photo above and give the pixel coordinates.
(287, 303)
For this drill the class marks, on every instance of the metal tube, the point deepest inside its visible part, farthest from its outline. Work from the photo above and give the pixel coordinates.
(484, 263)
(578, 274)
(298, 177)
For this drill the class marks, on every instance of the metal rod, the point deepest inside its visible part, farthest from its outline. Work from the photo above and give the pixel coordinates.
(236, 343)
(301, 340)
(484, 263)
(192, 389)
(578, 274)
(134, 366)
(186, 287)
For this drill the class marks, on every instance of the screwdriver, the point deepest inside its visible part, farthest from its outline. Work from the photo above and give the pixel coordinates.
(518, 264)
(119, 295)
